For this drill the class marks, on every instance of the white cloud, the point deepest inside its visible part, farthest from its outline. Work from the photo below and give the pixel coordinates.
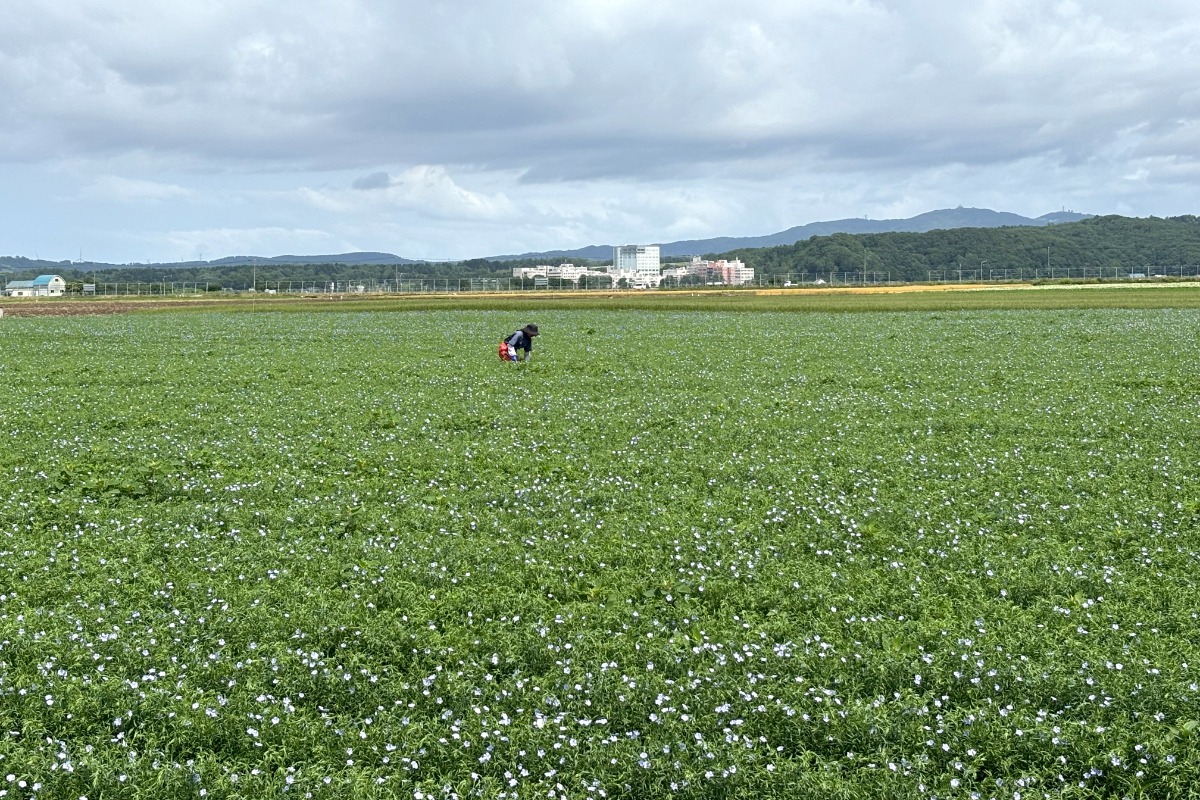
(424, 190)
(432, 190)
(117, 189)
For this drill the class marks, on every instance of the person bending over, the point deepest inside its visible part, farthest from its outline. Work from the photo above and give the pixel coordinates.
(521, 340)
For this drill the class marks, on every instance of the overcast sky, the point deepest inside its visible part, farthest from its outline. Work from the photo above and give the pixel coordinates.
(142, 130)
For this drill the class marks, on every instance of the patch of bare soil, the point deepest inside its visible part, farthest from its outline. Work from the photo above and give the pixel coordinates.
(75, 307)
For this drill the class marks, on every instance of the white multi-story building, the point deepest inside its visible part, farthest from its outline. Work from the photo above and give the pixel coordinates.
(640, 259)
(731, 273)
(734, 273)
(638, 264)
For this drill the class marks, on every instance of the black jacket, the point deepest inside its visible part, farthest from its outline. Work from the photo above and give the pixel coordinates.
(521, 341)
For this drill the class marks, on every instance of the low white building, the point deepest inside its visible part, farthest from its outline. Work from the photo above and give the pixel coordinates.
(565, 272)
(41, 286)
(634, 279)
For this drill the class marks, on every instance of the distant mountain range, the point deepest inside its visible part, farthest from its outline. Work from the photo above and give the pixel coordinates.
(942, 219)
(343, 258)
(933, 220)
(21, 264)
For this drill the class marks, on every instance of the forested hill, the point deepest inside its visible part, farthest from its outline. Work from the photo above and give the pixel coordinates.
(931, 220)
(1121, 244)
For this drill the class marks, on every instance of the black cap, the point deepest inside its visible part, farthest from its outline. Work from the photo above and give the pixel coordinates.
(531, 329)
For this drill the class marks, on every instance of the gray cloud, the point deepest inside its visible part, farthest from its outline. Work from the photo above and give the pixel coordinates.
(376, 180)
(532, 107)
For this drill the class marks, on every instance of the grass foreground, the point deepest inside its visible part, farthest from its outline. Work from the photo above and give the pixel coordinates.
(934, 553)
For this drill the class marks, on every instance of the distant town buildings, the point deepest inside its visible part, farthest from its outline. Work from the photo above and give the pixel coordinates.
(638, 266)
(727, 272)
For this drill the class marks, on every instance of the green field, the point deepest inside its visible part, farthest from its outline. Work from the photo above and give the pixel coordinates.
(701, 554)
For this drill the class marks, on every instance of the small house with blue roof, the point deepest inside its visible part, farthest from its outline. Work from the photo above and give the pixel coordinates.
(41, 286)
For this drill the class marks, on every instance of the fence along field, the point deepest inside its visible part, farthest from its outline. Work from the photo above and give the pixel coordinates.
(910, 297)
(694, 554)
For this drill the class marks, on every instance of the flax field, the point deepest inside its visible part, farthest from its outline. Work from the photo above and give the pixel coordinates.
(680, 554)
